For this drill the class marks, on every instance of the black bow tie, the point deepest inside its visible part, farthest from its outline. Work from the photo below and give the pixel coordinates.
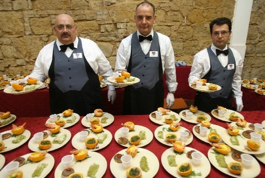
(225, 52)
(64, 47)
(142, 38)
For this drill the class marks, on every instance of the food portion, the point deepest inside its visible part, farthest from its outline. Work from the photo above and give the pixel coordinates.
(206, 123)
(98, 112)
(201, 117)
(37, 172)
(241, 122)
(185, 169)
(18, 87)
(171, 137)
(21, 160)
(193, 109)
(17, 130)
(235, 168)
(135, 140)
(132, 150)
(68, 112)
(130, 125)
(91, 142)
(221, 148)
(76, 175)
(4, 115)
(2, 145)
(233, 116)
(175, 126)
(32, 80)
(232, 130)
(179, 146)
(92, 171)
(253, 145)
(37, 156)
(53, 128)
(80, 154)
(204, 81)
(163, 110)
(214, 137)
(97, 128)
(134, 172)
(16, 174)
(94, 121)
(67, 172)
(144, 164)
(212, 86)
(60, 121)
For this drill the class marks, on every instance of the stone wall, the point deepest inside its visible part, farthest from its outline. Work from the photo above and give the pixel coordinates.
(26, 26)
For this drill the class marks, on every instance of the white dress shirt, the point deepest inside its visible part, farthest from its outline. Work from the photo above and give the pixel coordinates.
(167, 57)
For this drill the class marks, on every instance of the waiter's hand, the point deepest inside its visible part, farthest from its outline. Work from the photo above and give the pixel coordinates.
(239, 104)
(170, 100)
(111, 94)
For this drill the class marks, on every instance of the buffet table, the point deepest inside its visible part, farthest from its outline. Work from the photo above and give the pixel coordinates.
(35, 124)
(252, 100)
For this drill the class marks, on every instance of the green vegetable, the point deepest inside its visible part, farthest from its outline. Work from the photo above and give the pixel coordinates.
(160, 134)
(29, 88)
(92, 171)
(104, 120)
(7, 120)
(172, 160)
(71, 119)
(102, 138)
(144, 164)
(59, 139)
(37, 172)
(173, 117)
(221, 160)
(130, 79)
(18, 138)
(234, 140)
(142, 135)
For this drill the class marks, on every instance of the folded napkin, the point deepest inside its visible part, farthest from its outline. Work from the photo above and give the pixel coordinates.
(180, 63)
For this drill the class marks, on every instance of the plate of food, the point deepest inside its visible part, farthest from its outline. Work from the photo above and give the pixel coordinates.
(163, 131)
(123, 79)
(222, 162)
(4, 84)
(250, 86)
(105, 119)
(260, 91)
(195, 117)
(207, 87)
(18, 88)
(212, 128)
(261, 157)
(32, 168)
(2, 161)
(51, 141)
(167, 117)
(101, 140)
(140, 133)
(11, 141)
(64, 121)
(94, 165)
(6, 118)
(144, 159)
(227, 115)
(172, 160)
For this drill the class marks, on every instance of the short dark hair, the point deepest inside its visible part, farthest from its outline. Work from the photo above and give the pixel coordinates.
(221, 21)
(146, 2)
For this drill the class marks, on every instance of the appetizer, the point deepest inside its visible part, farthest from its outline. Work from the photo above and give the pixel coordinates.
(98, 112)
(79, 154)
(134, 172)
(232, 130)
(253, 145)
(212, 86)
(179, 146)
(193, 109)
(175, 126)
(68, 112)
(129, 125)
(235, 168)
(185, 169)
(16, 174)
(32, 80)
(171, 137)
(214, 137)
(91, 143)
(221, 148)
(45, 144)
(135, 140)
(37, 156)
(132, 150)
(17, 130)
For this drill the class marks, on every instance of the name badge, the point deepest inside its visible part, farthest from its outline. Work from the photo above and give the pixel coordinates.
(153, 53)
(77, 55)
(230, 67)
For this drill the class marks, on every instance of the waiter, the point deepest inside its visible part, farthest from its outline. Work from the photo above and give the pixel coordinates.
(72, 63)
(147, 54)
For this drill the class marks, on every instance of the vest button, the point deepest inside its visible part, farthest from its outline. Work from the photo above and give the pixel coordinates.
(145, 57)
(144, 66)
(69, 68)
(70, 77)
(223, 78)
(70, 86)
(143, 75)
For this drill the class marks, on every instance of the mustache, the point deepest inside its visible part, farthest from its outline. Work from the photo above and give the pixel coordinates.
(65, 34)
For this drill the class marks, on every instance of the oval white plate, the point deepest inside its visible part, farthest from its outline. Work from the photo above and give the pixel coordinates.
(204, 88)
(125, 83)
(12, 115)
(67, 125)
(11, 146)
(137, 129)
(253, 171)
(77, 144)
(164, 128)
(33, 146)
(193, 119)
(226, 115)
(2, 161)
(83, 166)
(30, 167)
(162, 120)
(109, 121)
(153, 164)
(204, 168)
(10, 89)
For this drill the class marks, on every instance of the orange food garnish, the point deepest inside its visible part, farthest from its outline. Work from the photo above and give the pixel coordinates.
(2, 145)
(97, 128)
(163, 110)
(60, 122)
(214, 137)
(212, 86)
(221, 148)
(79, 154)
(32, 80)
(174, 126)
(125, 74)
(235, 168)
(17, 87)
(94, 121)
(91, 142)
(253, 145)
(232, 130)
(184, 169)
(45, 144)
(134, 172)
(135, 140)
(120, 79)
(68, 112)
(100, 78)
(241, 122)
(193, 109)
(201, 117)
(53, 128)
(171, 137)
(233, 116)
(37, 156)
(179, 146)
(168, 120)
(132, 150)
(4, 115)
(17, 130)
(204, 81)
(16, 174)
(206, 123)
(129, 125)
(98, 112)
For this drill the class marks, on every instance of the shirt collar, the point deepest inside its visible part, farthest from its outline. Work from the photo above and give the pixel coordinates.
(58, 43)
(213, 48)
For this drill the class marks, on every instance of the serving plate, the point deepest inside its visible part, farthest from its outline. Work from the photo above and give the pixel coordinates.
(165, 129)
(193, 118)
(11, 119)
(125, 83)
(204, 88)
(162, 120)
(204, 168)
(78, 144)
(11, 146)
(85, 122)
(118, 171)
(256, 91)
(83, 166)
(225, 118)
(2, 161)
(68, 119)
(136, 131)
(26, 89)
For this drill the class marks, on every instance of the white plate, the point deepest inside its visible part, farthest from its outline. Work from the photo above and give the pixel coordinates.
(204, 168)
(137, 129)
(30, 167)
(11, 146)
(153, 164)
(252, 86)
(125, 83)
(256, 91)
(77, 144)
(204, 88)
(218, 129)
(2, 161)
(83, 166)
(226, 115)
(110, 120)
(66, 124)
(242, 143)
(10, 89)
(12, 115)
(253, 171)
(162, 120)
(193, 119)
(33, 146)
(263, 124)
(165, 128)
(261, 158)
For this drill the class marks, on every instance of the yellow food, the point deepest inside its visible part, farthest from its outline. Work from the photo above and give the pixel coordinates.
(97, 128)
(37, 156)
(94, 121)
(32, 80)
(120, 79)
(76, 174)
(53, 128)
(168, 120)
(17, 130)
(2, 145)
(132, 150)
(16, 174)
(206, 123)
(201, 117)
(235, 168)
(125, 74)
(98, 112)
(204, 81)
(174, 126)
(233, 116)
(68, 112)
(171, 137)
(222, 148)
(60, 122)
(79, 154)
(179, 146)
(253, 145)
(45, 144)
(5, 115)
(91, 142)
(17, 87)
(184, 169)
(212, 86)
(214, 137)
(193, 109)
(129, 125)
(163, 110)
(135, 140)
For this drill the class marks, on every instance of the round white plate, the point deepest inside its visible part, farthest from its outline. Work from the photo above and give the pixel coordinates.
(193, 119)
(109, 121)
(204, 168)
(12, 115)
(26, 89)
(77, 144)
(136, 131)
(153, 164)
(162, 120)
(11, 146)
(2, 161)
(77, 117)
(242, 143)
(256, 91)
(263, 124)
(83, 166)
(226, 115)
(165, 130)
(204, 88)
(124, 83)
(30, 167)
(218, 129)
(252, 87)
(253, 171)
(33, 146)
(261, 158)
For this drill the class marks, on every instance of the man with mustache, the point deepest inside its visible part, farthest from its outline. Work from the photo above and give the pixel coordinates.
(73, 63)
